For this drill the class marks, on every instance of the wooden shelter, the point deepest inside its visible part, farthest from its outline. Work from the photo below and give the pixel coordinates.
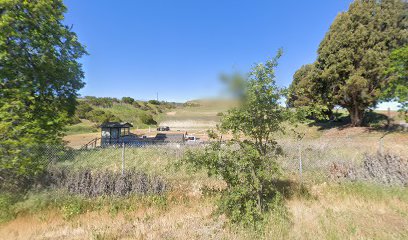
(114, 132)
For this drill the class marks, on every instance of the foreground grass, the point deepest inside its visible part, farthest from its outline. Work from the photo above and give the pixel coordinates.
(329, 211)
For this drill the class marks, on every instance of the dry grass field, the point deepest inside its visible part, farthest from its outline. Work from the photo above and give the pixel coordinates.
(348, 211)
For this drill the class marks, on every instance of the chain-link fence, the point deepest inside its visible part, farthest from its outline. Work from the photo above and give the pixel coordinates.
(321, 159)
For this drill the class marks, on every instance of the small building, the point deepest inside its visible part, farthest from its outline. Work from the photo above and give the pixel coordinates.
(115, 132)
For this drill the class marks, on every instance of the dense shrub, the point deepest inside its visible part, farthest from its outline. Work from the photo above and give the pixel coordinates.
(128, 100)
(6, 212)
(248, 166)
(82, 109)
(154, 102)
(100, 116)
(147, 119)
(249, 177)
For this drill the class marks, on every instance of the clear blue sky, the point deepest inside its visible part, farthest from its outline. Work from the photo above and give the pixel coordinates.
(179, 48)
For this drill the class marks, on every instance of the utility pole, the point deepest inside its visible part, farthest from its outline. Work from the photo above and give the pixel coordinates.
(157, 96)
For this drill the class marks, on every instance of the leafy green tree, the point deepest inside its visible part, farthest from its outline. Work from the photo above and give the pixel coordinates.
(39, 79)
(301, 94)
(128, 100)
(398, 86)
(248, 166)
(353, 55)
(259, 113)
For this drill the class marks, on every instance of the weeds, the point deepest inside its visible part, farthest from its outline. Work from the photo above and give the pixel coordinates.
(6, 207)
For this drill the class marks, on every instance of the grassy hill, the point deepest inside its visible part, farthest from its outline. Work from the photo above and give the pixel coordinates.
(91, 113)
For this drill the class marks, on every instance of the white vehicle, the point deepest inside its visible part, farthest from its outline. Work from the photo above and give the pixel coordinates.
(190, 138)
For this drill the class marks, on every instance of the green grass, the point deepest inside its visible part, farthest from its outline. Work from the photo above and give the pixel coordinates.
(369, 191)
(84, 126)
(70, 206)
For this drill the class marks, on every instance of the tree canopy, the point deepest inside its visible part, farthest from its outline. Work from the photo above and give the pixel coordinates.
(39, 79)
(354, 56)
(398, 86)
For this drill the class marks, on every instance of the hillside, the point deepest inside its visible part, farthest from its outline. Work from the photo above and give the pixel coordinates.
(92, 111)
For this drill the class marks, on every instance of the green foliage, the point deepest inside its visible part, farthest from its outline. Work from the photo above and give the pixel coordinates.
(248, 167)
(128, 100)
(259, 113)
(397, 88)
(39, 79)
(72, 208)
(154, 102)
(212, 134)
(100, 116)
(301, 94)
(147, 119)
(6, 209)
(248, 175)
(83, 109)
(350, 70)
(104, 102)
(353, 56)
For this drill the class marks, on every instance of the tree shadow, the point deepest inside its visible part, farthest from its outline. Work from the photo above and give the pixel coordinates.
(374, 120)
(340, 122)
(292, 189)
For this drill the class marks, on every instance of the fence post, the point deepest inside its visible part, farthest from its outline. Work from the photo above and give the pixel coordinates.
(300, 162)
(123, 158)
(381, 145)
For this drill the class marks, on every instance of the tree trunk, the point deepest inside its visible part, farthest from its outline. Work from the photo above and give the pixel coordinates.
(356, 115)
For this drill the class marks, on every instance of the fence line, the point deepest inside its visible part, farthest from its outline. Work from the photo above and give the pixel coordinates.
(305, 159)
